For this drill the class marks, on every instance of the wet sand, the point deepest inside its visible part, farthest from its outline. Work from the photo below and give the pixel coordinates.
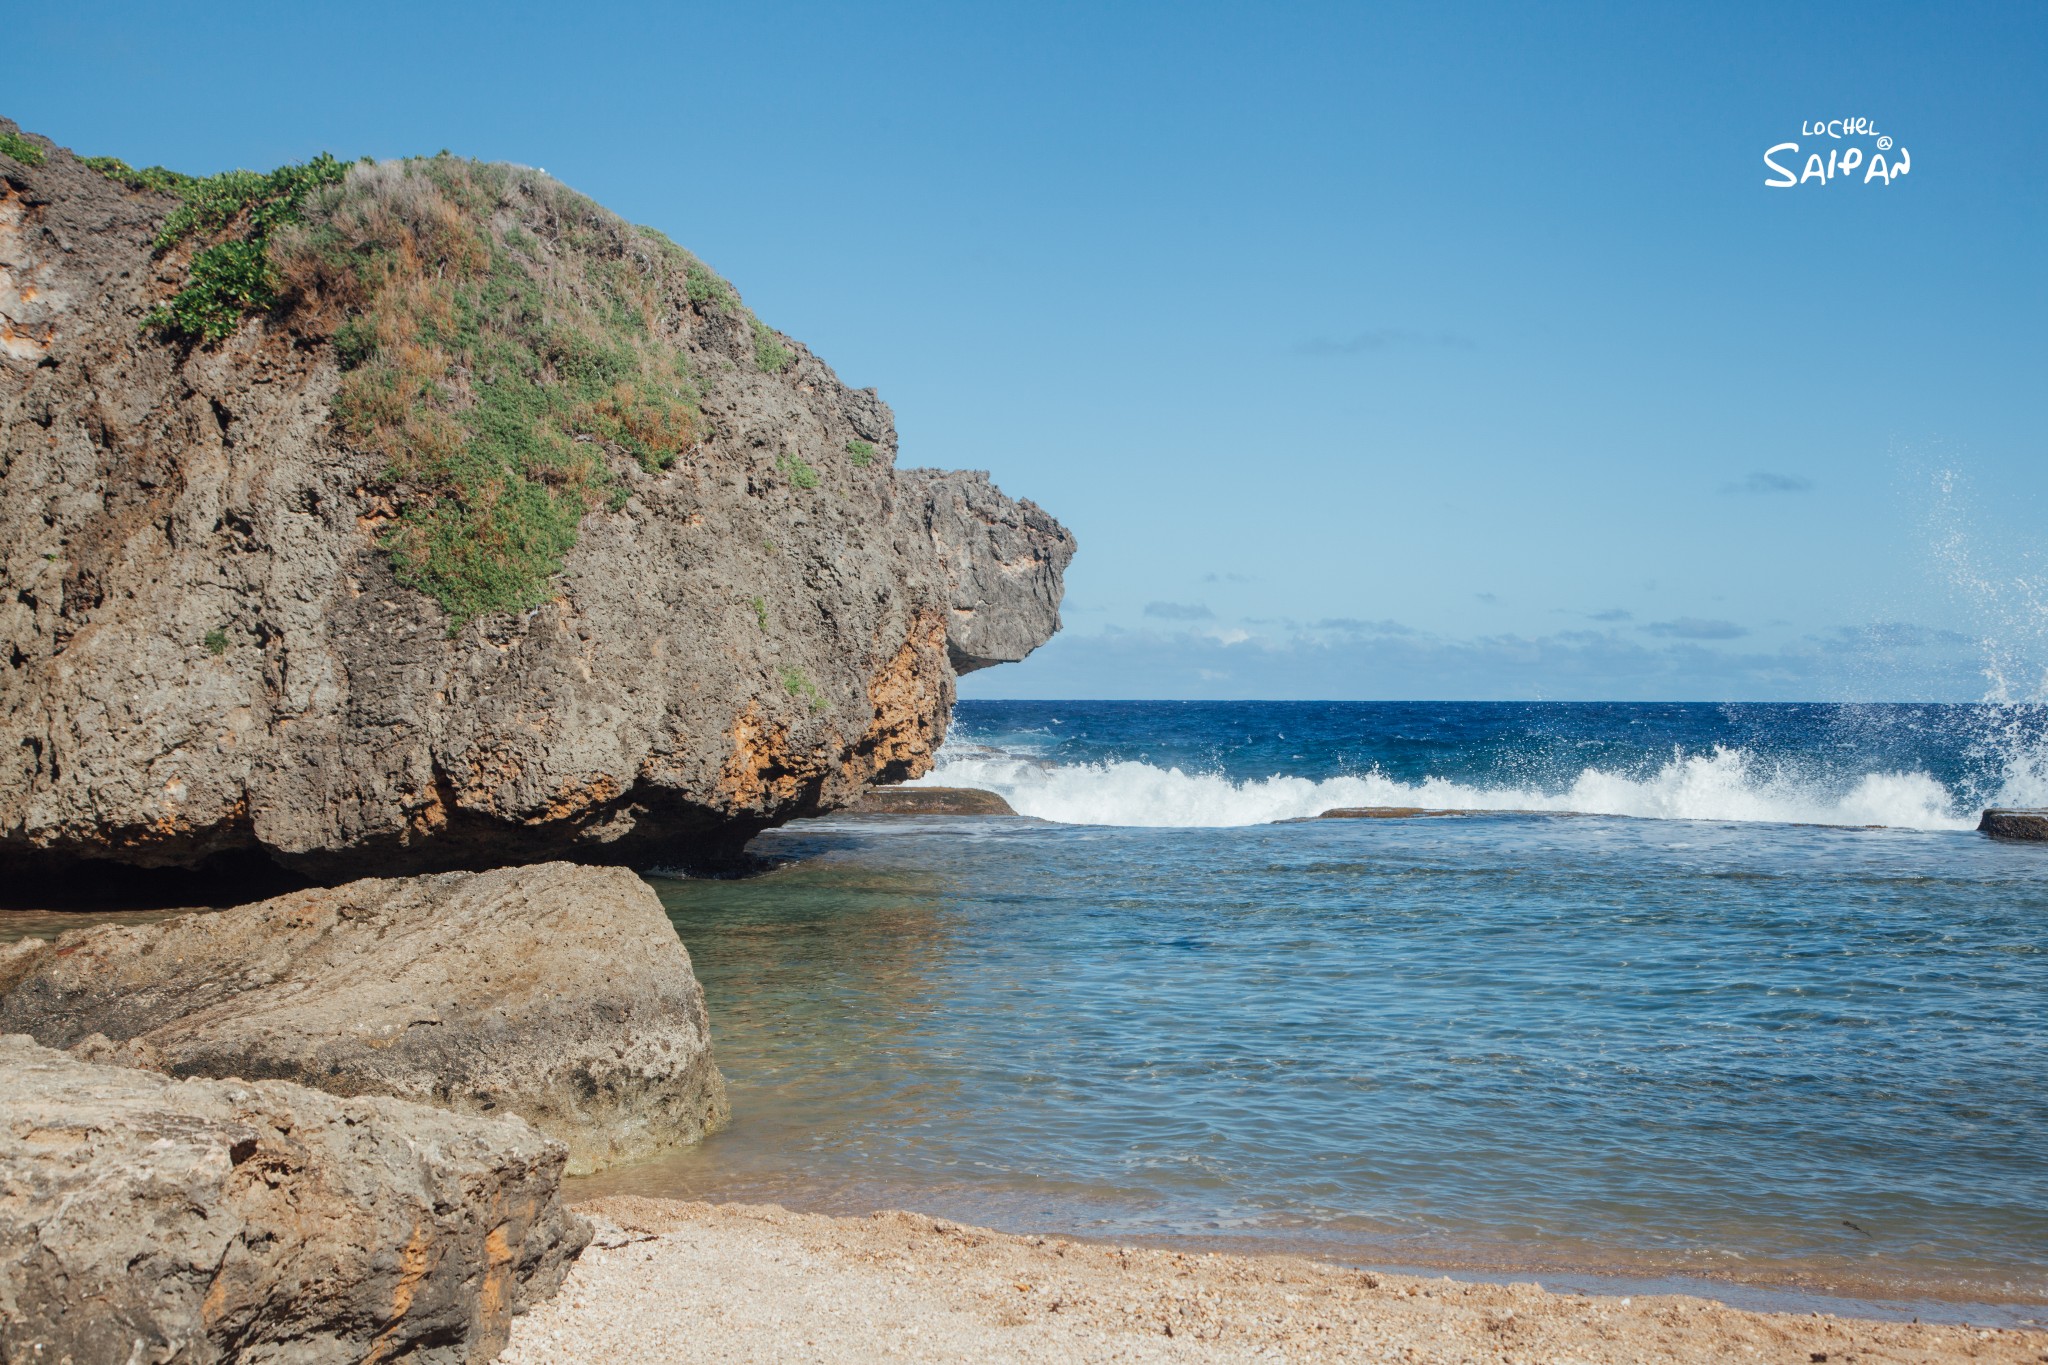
(674, 1280)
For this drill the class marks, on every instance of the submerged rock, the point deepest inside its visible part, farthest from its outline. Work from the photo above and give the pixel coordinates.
(148, 1219)
(557, 993)
(326, 589)
(1418, 813)
(931, 801)
(1390, 813)
(2019, 826)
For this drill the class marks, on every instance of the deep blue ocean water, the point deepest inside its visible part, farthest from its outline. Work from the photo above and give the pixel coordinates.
(1724, 1030)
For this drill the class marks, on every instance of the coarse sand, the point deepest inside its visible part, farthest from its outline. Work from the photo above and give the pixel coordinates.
(672, 1281)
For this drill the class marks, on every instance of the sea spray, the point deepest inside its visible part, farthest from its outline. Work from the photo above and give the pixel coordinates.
(1996, 582)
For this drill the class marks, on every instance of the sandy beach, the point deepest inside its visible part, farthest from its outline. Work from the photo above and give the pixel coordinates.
(673, 1280)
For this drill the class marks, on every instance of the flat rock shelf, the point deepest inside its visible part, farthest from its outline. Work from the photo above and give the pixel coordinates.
(929, 801)
(2017, 826)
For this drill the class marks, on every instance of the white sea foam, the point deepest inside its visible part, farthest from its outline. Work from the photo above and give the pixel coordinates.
(1727, 784)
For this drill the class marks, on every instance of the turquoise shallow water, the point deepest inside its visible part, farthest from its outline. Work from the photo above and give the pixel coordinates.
(1759, 1053)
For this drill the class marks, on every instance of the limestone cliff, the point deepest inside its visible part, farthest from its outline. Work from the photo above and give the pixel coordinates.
(420, 515)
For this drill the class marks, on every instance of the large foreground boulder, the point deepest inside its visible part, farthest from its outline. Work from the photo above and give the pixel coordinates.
(505, 532)
(558, 993)
(144, 1219)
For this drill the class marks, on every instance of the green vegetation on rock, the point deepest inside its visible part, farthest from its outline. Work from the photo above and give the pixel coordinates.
(705, 287)
(863, 452)
(216, 642)
(259, 202)
(227, 281)
(497, 375)
(798, 684)
(160, 179)
(21, 149)
(233, 277)
(499, 337)
(769, 353)
(797, 470)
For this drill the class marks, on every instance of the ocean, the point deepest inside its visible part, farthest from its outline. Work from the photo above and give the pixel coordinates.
(1730, 998)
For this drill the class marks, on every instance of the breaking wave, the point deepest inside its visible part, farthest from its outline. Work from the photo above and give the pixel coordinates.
(1727, 784)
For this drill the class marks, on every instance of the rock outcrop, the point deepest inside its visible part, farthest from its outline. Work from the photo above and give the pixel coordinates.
(556, 993)
(258, 581)
(1002, 604)
(931, 801)
(2015, 826)
(148, 1219)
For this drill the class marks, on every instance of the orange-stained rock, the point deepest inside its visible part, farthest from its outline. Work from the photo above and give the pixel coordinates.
(148, 1218)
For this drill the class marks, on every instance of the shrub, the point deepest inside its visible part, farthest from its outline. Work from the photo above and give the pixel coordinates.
(354, 342)
(862, 452)
(263, 201)
(230, 279)
(799, 473)
(652, 421)
(216, 642)
(226, 281)
(770, 355)
(154, 178)
(21, 149)
(761, 612)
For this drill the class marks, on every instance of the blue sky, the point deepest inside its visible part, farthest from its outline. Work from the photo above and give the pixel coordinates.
(1371, 351)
